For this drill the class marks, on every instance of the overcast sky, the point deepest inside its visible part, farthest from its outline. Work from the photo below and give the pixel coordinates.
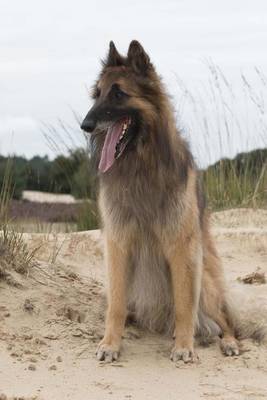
(50, 52)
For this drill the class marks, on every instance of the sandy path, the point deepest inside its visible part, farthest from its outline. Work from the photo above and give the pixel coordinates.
(53, 323)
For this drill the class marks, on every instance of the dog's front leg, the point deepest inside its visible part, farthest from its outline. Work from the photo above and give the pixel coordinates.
(185, 260)
(109, 347)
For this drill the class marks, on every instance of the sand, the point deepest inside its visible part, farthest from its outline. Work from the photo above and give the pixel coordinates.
(51, 324)
(46, 197)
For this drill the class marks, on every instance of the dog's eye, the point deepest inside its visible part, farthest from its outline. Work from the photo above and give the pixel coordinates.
(117, 92)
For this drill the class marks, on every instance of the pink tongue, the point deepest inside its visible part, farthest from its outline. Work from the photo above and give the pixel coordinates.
(109, 148)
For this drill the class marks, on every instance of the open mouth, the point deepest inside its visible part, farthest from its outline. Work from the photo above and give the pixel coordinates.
(116, 140)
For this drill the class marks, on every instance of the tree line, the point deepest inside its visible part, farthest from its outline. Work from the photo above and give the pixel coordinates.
(71, 174)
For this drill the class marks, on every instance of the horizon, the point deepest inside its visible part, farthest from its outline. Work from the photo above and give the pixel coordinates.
(51, 159)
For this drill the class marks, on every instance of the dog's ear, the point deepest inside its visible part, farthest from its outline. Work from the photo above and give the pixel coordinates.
(138, 59)
(114, 59)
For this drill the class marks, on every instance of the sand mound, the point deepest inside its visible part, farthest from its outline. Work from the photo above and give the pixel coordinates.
(51, 324)
(241, 218)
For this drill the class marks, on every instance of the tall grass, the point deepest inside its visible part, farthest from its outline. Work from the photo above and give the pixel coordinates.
(88, 217)
(241, 182)
(223, 119)
(14, 253)
(6, 193)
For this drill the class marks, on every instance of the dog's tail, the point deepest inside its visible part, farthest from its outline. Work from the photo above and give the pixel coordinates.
(248, 313)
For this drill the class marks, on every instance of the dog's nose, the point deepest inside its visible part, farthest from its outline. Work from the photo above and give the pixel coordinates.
(88, 125)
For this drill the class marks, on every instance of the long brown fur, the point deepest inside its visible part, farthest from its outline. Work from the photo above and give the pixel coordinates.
(161, 260)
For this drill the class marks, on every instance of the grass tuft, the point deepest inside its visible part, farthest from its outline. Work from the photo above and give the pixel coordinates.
(15, 257)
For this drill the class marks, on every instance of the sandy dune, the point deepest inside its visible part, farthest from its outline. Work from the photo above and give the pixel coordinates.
(51, 324)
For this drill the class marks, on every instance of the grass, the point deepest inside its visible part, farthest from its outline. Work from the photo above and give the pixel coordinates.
(88, 216)
(14, 252)
(241, 182)
(15, 256)
(6, 193)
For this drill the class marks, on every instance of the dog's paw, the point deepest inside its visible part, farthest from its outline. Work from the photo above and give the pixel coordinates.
(230, 347)
(183, 354)
(107, 352)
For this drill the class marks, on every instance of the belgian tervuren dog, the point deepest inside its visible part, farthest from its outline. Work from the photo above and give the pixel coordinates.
(162, 263)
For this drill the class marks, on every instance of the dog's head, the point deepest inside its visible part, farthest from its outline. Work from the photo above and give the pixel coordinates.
(127, 100)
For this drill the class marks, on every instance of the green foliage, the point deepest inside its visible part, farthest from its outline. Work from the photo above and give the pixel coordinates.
(241, 182)
(65, 174)
(6, 191)
(70, 174)
(88, 216)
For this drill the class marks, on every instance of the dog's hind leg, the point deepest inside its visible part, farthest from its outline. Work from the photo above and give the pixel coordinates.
(220, 315)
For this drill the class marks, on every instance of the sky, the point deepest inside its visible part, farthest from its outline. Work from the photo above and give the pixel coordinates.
(50, 55)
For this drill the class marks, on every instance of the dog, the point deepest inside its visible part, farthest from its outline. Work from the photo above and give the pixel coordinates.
(161, 260)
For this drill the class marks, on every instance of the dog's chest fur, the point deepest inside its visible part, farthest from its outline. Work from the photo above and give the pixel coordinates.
(143, 200)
